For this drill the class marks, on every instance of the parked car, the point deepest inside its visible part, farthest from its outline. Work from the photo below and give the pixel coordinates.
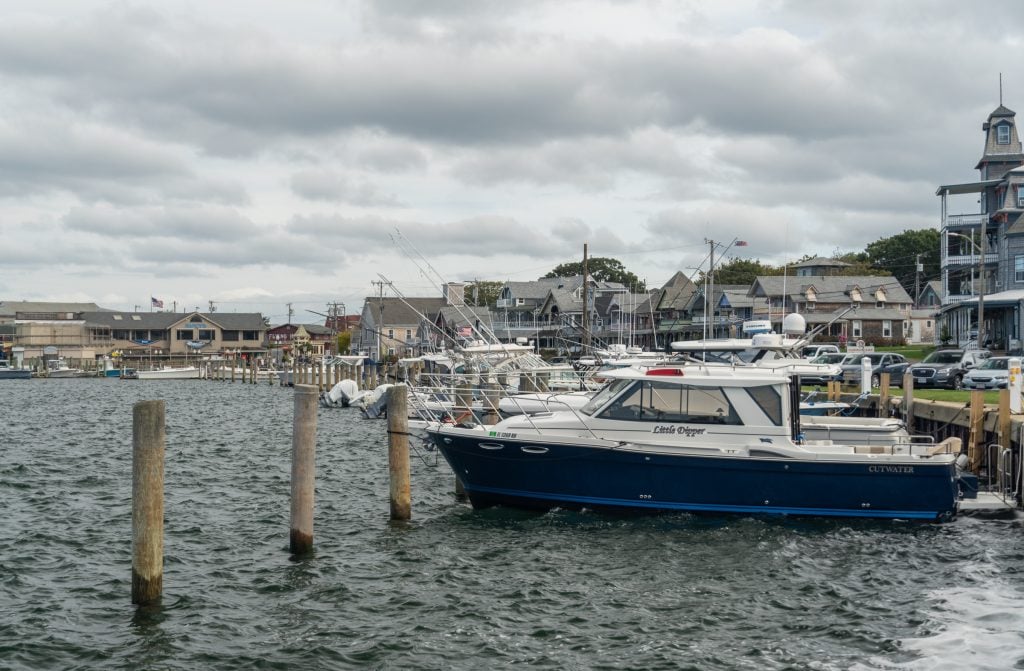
(947, 367)
(810, 352)
(993, 373)
(851, 365)
(895, 371)
(832, 358)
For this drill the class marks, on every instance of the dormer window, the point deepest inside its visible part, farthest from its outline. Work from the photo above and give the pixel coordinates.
(1003, 133)
(855, 295)
(1020, 195)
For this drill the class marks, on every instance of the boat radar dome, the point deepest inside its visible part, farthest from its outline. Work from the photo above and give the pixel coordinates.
(794, 324)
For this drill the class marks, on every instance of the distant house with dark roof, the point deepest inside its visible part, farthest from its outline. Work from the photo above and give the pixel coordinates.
(672, 308)
(395, 326)
(561, 314)
(881, 304)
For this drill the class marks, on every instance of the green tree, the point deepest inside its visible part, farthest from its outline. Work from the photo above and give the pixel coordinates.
(898, 255)
(483, 292)
(601, 269)
(344, 342)
(740, 271)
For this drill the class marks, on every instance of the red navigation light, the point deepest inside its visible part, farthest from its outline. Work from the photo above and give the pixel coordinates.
(666, 371)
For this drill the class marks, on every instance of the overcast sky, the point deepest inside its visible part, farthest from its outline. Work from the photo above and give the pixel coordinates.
(255, 153)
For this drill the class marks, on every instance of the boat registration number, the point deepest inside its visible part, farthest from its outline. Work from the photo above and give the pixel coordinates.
(501, 434)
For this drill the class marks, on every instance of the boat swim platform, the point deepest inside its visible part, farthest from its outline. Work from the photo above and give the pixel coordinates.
(988, 505)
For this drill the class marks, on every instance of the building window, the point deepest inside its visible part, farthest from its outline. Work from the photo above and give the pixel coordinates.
(391, 333)
(1018, 268)
(250, 335)
(206, 334)
(856, 328)
(886, 328)
(1020, 196)
(408, 334)
(184, 334)
(1003, 133)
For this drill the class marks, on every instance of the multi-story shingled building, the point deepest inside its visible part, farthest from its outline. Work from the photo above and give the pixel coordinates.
(982, 253)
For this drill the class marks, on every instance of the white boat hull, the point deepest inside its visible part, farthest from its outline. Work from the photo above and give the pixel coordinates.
(190, 373)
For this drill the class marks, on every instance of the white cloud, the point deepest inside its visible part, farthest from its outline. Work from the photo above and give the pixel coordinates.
(250, 152)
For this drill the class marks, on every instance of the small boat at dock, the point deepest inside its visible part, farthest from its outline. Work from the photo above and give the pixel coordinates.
(7, 372)
(170, 373)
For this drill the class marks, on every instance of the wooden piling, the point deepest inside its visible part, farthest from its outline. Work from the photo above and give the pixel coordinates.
(883, 395)
(303, 469)
(398, 453)
(1005, 431)
(908, 401)
(148, 441)
(976, 431)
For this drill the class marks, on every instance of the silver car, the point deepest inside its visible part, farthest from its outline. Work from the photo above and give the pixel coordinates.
(993, 373)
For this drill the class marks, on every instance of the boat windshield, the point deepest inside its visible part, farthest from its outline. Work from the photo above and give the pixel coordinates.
(657, 401)
(606, 393)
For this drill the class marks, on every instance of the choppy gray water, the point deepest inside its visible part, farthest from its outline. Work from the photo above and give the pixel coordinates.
(454, 588)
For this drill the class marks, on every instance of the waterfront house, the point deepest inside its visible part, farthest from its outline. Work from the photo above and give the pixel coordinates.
(672, 309)
(175, 336)
(881, 306)
(982, 251)
(309, 339)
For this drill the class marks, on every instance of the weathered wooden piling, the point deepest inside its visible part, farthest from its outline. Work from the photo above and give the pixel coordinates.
(975, 444)
(398, 453)
(148, 441)
(908, 400)
(303, 469)
(883, 395)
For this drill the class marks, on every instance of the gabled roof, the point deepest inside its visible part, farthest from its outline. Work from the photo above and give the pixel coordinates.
(455, 317)
(830, 288)
(400, 311)
(632, 303)
(677, 293)
(230, 321)
(538, 289)
(11, 308)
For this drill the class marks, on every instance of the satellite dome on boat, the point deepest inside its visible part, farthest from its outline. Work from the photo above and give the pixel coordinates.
(794, 324)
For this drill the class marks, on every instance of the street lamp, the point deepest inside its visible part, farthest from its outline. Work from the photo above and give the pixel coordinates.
(981, 273)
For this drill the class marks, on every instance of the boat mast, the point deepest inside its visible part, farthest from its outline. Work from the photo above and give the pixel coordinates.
(586, 310)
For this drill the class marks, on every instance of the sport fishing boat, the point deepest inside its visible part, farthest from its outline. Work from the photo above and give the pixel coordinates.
(696, 437)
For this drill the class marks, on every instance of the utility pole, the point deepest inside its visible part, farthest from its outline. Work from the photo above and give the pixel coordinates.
(917, 281)
(290, 312)
(380, 325)
(212, 307)
(709, 290)
(586, 307)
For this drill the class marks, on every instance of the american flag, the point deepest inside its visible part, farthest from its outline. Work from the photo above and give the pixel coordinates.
(741, 243)
(156, 302)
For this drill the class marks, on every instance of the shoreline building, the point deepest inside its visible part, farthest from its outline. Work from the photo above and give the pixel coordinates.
(982, 253)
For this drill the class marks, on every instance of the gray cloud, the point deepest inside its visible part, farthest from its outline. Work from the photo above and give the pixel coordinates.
(327, 185)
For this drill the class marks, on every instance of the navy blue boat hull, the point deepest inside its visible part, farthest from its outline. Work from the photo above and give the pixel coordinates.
(527, 474)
